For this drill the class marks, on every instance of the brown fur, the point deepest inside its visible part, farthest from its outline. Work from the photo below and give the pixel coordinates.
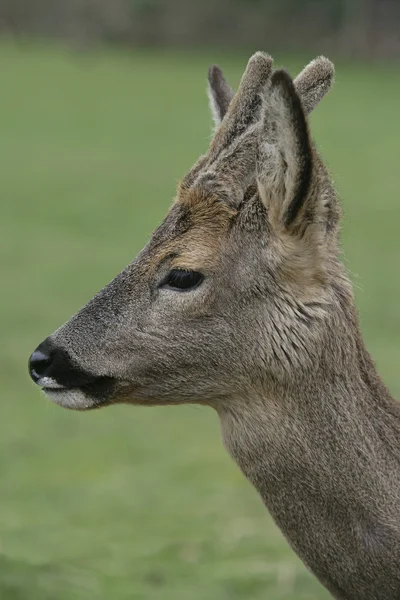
(269, 338)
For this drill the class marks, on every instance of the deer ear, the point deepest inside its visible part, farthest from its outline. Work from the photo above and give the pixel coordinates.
(285, 160)
(220, 94)
(312, 84)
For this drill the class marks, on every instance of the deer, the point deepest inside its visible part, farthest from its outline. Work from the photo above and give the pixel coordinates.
(240, 302)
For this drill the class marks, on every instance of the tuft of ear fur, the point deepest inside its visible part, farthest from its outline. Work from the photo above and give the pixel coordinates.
(285, 163)
(220, 94)
(314, 82)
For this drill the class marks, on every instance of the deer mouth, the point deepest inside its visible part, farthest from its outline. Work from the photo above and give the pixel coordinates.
(87, 397)
(65, 382)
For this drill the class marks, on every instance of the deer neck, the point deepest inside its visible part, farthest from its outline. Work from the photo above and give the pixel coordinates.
(325, 457)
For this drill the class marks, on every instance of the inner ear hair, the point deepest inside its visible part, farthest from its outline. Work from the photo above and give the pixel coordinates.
(220, 94)
(285, 162)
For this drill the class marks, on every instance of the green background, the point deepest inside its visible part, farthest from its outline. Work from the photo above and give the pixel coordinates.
(132, 502)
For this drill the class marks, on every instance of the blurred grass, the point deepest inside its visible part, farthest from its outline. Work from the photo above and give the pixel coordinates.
(135, 503)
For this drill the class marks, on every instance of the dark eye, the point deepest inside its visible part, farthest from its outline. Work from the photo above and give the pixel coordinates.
(182, 279)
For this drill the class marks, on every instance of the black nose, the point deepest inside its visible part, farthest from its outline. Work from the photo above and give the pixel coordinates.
(50, 360)
(40, 361)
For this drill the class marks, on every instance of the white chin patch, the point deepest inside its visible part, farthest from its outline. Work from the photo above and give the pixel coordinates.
(49, 382)
(74, 399)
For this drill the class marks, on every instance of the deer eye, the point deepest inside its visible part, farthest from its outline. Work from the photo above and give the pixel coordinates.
(182, 279)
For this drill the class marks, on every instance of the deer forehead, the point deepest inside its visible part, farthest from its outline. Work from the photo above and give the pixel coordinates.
(193, 233)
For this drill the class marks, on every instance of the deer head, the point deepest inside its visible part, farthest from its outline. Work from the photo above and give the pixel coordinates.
(231, 291)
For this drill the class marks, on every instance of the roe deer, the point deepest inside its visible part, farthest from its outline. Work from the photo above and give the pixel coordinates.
(240, 302)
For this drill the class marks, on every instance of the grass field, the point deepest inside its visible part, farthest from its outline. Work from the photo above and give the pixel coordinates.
(133, 503)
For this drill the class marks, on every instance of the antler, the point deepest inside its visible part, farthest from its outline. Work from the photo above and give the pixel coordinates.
(314, 81)
(231, 156)
(244, 107)
(231, 159)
